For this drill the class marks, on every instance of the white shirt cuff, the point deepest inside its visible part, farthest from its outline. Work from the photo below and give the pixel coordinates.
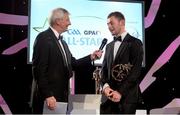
(105, 85)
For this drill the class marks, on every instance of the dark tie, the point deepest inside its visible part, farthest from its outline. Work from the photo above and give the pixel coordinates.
(60, 37)
(118, 38)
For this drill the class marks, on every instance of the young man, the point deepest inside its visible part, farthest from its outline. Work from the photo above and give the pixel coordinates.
(121, 69)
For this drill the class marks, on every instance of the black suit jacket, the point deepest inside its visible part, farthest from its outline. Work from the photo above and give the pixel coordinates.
(49, 68)
(130, 51)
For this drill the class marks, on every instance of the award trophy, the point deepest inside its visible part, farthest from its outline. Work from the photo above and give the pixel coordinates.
(97, 77)
(120, 71)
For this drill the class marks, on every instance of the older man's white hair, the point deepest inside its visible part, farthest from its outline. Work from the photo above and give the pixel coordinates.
(57, 13)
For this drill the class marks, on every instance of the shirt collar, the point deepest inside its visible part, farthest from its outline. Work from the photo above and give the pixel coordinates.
(55, 32)
(123, 35)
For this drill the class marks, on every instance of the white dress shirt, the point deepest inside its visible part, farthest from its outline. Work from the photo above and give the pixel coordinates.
(57, 35)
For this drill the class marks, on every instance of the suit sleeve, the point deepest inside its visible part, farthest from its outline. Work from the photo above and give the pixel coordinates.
(104, 72)
(136, 57)
(40, 66)
(85, 61)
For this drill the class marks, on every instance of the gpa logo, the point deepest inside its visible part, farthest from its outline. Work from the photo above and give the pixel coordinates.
(92, 32)
(86, 32)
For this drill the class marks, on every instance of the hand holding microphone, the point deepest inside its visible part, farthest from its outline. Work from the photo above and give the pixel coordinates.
(98, 53)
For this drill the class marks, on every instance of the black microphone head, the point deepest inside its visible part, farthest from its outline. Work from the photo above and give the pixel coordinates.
(104, 41)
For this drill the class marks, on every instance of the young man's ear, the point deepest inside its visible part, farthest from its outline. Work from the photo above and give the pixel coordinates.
(122, 22)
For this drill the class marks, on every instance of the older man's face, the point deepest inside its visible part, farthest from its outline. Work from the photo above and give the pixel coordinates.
(65, 22)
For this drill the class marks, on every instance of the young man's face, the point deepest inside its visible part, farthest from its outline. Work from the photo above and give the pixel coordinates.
(114, 25)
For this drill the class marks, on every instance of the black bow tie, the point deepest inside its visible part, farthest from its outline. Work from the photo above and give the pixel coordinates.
(60, 37)
(118, 38)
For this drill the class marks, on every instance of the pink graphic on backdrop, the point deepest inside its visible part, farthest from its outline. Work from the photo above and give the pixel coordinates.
(164, 58)
(11, 19)
(15, 48)
(154, 7)
(4, 106)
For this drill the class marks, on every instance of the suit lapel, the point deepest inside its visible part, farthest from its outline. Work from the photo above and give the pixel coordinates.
(109, 56)
(111, 51)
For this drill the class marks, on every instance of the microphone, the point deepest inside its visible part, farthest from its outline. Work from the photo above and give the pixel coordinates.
(104, 41)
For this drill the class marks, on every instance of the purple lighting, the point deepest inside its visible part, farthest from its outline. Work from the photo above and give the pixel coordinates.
(11, 19)
(15, 48)
(149, 19)
(4, 106)
(163, 58)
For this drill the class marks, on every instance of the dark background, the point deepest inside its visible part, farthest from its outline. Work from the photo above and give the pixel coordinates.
(16, 74)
